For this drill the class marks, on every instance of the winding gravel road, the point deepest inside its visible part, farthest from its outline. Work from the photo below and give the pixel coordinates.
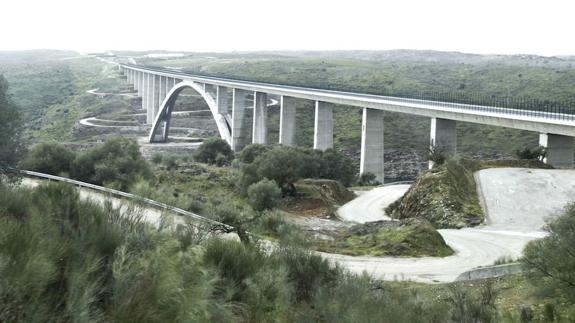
(517, 201)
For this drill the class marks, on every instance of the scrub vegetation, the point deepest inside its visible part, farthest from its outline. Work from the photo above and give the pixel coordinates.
(63, 258)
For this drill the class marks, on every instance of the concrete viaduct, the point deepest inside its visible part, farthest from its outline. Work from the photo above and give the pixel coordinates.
(159, 89)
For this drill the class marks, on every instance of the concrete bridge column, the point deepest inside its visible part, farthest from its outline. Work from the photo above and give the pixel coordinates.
(150, 99)
(559, 150)
(153, 105)
(141, 82)
(372, 143)
(222, 99)
(162, 90)
(443, 137)
(287, 121)
(260, 129)
(145, 86)
(167, 83)
(239, 124)
(172, 83)
(135, 80)
(323, 126)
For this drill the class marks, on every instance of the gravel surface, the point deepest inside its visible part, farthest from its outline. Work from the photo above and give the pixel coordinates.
(518, 201)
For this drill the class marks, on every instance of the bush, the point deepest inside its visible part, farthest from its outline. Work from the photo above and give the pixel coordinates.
(253, 151)
(157, 159)
(538, 153)
(551, 260)
(264, 195)
(49, 158)
(117, 162)
(221, 160)
(210, 148)
(436, 155)
(367, 179)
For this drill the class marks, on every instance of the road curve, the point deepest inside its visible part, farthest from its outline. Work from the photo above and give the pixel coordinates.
(505, 235)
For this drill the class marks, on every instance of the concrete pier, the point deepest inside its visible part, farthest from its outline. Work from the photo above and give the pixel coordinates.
(141, 81)
(239, 131)
(222, 99)
(145, 90)
(162, 90)
(287, 121)
(372, 143)
(152, 102)
(443, 137)
(323, 126)
(559, 150)
(260, 128)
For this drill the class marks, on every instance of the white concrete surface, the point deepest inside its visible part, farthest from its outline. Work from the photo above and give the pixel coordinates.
(523, 198)
(370, 205)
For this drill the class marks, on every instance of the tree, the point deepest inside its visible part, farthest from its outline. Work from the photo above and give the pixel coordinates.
(283, 165)
(209, 150)
(11, 146)
(338, 167)
(49, 158)
(551, 260)
(264, 195)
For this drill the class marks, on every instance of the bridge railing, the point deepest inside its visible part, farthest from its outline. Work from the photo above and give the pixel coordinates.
(127, 195)
(472, 101)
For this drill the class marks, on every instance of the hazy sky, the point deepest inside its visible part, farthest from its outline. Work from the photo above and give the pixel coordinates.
(544, 27)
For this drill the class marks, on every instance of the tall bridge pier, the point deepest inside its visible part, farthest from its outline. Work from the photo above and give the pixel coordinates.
(159, 89)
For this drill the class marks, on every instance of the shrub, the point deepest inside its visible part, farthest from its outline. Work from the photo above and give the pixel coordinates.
(49, 158)
(157, 159)
(436, 155)
(117, 162)
(171, 162)
(531, 153)
(367, 179)
(253, 151)
(264, 195)
(337, 166)
(221, 160)
(551, 260)
(210, 148)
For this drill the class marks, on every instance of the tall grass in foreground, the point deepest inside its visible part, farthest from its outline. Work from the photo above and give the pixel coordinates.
(64, 259)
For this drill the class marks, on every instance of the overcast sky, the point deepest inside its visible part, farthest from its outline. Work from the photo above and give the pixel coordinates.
(544, 27)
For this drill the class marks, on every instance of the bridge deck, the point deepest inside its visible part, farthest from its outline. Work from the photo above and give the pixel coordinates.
(539, 121)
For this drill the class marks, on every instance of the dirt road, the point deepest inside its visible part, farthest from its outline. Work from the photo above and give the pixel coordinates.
(517, 200)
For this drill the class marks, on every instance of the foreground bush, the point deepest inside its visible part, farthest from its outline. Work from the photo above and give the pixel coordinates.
(551, 260)
(64, 259)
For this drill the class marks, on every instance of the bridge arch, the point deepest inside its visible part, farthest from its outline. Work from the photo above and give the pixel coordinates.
(164, 115)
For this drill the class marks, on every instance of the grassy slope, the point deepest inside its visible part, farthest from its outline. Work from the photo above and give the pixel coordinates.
(49, 87)
(411, 239)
